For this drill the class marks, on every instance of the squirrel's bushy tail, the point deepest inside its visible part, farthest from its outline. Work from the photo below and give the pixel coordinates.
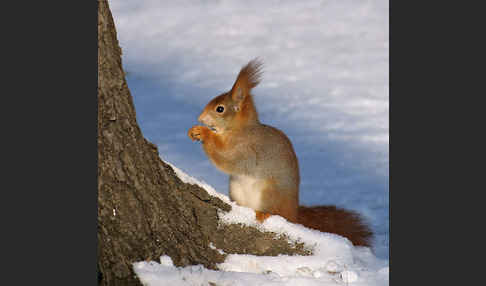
(334, 220)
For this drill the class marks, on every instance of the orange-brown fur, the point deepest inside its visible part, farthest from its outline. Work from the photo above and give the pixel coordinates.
(261, 162)
(261, 216)
(339, 221)
(278, 204)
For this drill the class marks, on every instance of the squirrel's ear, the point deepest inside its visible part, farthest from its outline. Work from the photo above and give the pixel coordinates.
(248, 78)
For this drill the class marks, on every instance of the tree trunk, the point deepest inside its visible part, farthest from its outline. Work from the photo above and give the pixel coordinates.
(144, 209)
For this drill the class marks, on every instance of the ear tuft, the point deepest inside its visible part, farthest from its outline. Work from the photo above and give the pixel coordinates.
(252, 72)
(248, 78)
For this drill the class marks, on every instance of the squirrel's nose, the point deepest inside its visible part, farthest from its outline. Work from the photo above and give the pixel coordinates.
(201, 118)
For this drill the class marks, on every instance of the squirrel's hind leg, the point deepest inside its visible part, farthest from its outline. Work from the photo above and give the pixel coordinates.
(261, 216)
(278, 202)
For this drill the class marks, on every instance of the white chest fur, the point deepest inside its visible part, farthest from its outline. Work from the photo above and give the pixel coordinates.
(246, 191)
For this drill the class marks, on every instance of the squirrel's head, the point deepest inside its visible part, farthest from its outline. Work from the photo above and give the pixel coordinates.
(234, 108)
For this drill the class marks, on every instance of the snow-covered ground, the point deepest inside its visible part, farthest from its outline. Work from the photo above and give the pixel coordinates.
(335, 261)
(325, 84)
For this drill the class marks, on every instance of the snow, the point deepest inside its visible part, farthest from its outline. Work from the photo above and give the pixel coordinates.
(334, 260)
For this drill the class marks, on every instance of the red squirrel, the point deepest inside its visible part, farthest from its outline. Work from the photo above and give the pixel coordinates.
(261, 163)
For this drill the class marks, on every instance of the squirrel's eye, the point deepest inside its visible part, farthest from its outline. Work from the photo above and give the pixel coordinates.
(220, 109)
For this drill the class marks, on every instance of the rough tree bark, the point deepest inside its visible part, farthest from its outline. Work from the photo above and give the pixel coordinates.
(144, 209)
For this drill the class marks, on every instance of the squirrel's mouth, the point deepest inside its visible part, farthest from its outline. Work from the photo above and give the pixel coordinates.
(212, 128)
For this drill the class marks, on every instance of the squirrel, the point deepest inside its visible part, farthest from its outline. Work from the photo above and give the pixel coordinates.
(261, 162)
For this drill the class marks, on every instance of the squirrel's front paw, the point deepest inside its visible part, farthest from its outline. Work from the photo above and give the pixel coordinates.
(196, 133)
